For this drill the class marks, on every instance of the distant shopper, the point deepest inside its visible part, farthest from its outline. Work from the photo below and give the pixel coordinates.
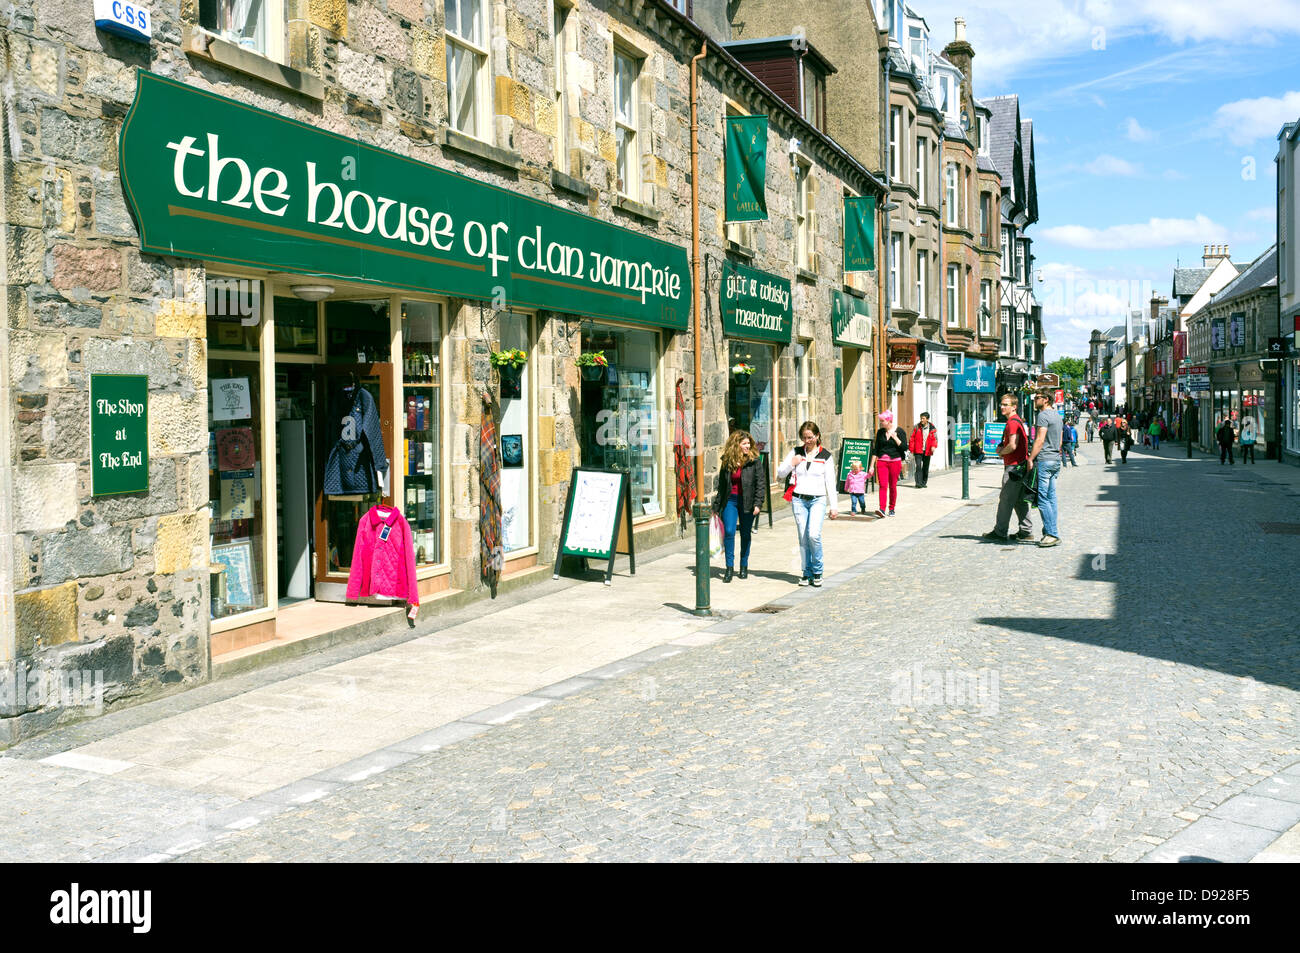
(1247, 440)
(813, 470)
(923, 444)
(1153, 431)
(1124, 437)
(740, 481)
(887, 454)
(1108, 433)
(1014, 451)
(1226, 435)
(1088, 428)
(1046, 454)
(1069, 444)
(855, 485)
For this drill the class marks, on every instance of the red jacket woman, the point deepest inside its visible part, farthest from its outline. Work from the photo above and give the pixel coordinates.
(923, 443)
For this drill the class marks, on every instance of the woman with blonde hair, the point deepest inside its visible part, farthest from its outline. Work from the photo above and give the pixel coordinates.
(740, 479)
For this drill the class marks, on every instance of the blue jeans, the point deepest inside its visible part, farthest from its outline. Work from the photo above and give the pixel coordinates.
(1155, 441)
(733, 519)
(857, 501)
(1068, 449)
(1048, 470)
(808, 516)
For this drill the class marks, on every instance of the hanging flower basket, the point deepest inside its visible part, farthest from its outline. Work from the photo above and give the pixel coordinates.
(742, 372)
(593, 365)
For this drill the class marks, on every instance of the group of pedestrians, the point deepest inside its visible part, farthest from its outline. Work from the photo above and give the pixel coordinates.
(1029, 469)
(1228, 434)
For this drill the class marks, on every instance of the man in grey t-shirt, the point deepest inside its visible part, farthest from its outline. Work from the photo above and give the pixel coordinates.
(1046, 454)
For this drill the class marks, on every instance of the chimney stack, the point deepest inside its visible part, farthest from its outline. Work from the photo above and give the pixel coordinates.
(960, 23)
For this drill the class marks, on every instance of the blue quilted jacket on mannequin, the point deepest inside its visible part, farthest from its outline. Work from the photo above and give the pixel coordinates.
(358, 448)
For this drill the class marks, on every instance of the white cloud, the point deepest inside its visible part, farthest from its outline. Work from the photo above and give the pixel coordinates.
(1076, 301)
(1265, 213)
(1109, 165)
(1247, 120)
(1154, 233)
(1173, 175)
(1133, 129)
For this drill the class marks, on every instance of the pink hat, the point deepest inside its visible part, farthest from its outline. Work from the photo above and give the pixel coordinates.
(887, 416)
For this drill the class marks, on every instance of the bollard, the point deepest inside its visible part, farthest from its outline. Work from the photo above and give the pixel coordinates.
(965, 474)
(702, 516)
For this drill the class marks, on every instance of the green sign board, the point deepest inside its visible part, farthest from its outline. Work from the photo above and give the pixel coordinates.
(860, 233)
(746, 169)
(119, 433)
(208, 177)
(854, 448)
(850, 321)
(839, 390)
(755, 304)
(963, 437)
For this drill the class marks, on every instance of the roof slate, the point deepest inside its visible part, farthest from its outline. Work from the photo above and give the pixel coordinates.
(1188, 281)
(1003, 130)
(1260, 272)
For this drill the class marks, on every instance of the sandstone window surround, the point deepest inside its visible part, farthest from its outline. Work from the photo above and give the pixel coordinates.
(468, 34)
(563, 33)
(269, 41)
(805, 215)
(627, 138)
(803, 380)
(256, 26)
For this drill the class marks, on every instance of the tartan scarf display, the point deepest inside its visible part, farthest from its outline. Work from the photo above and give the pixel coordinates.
(682, 461)
(489, 498)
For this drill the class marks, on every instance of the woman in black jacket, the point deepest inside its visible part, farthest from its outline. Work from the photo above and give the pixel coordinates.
(740, 479)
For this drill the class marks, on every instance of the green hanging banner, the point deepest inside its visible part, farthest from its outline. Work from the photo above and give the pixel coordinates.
(211, 178)
(860, 233)
(746, 169)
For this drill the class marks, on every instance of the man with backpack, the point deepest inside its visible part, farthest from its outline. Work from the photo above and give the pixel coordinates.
(1014, 451)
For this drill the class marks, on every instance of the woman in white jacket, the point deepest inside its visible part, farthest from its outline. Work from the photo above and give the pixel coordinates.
(813, 471)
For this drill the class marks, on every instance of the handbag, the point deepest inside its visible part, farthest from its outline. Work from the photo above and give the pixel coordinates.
(788, 495)
(715, 536)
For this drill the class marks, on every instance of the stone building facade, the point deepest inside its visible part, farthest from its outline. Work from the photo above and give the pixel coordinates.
(582, 108)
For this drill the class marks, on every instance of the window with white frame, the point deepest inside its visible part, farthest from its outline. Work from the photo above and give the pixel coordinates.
(916, 46)
(468, 89)
(742, 233)
(921, 262)
(803, 381)
(627, 69)
(986, 215)
(254, 25)
(1006, 252)
(805, 216)
(983, 124)
(954, 296)
(965, 200)
(950, 193)
(895, 137)
(560, 96)
(920, 170)
(895, 255)
(1006, 330)
(986, 308)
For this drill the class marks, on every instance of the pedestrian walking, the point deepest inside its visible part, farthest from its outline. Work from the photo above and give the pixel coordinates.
(1153, 431)
(1247, 440)
(814, 498)
(1014, 451)
(855, 485)
(923, 443)
(1046, 455)
(740, 480)
(1069, 444)
(1124, 437)
(887, 454)
(1088, 429)
(1226, 435)
(1108, 434)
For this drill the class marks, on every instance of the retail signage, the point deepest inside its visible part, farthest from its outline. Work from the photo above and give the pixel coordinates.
(993, 435)
(975, 377)
(1217, 333)
(851, 449)
(1195, 378)
(597, 518)
(208, 177)
(1277, 347)
(1237, 330)
(850, 321)
(963, 438)
(119, 433)
(128, 20)
(756, 305)
(1059, 398)
(1049, 380)
(1249, 400)
(746, 169)
(860, 233)
(902, 355)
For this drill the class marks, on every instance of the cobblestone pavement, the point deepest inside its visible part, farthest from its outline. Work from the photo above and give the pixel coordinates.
(952, 700)
(962, 701)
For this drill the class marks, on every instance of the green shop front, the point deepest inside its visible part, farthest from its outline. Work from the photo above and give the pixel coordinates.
(756, 321)
(339, 278)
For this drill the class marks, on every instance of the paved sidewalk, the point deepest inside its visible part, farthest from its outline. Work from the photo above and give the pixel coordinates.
(277, 734)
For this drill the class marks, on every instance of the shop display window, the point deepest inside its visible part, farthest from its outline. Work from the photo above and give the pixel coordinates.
(421, 426)
(516, 436)
(750, 397)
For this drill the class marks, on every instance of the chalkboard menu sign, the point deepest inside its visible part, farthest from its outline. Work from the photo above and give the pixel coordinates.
(119, 433)
(853, 448)
(597, 518)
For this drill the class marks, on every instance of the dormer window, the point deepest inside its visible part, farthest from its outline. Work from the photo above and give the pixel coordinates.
(916, 47)
(944, 81)
(814, 95)
(984, 135)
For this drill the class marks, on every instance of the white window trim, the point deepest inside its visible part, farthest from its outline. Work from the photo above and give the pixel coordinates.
(632, 180)
(953, 289)
(895, 134)
(805, 215)
(482, 77)
(275, 31)
(986, 307)
(920, 170)
(895, 253)
(921, 263)
(951, 198)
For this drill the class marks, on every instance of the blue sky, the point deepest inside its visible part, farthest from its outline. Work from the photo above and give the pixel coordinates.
(1154, 126)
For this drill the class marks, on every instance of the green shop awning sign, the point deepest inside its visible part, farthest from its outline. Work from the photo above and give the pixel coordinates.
(208, 177)
(850, 321)
(756, 305)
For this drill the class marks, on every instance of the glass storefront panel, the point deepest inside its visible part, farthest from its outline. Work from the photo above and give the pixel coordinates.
(422, 426)
(296, 326)
(750, 399)
(234, 420)
(516, 436)
(619, 424)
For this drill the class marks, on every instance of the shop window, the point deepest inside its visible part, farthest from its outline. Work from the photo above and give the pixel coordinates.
(421, 447)
(296, 326)
(751, 397)
(516, 437)
(468, 92)
(627, 70)
(235, 407)
(257, 26)
(234, 310)
(619, 425)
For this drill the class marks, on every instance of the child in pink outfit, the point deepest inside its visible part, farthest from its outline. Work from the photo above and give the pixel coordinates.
(855, 485)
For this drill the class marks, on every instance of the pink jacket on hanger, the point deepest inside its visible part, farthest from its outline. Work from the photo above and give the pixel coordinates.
(383, 560)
